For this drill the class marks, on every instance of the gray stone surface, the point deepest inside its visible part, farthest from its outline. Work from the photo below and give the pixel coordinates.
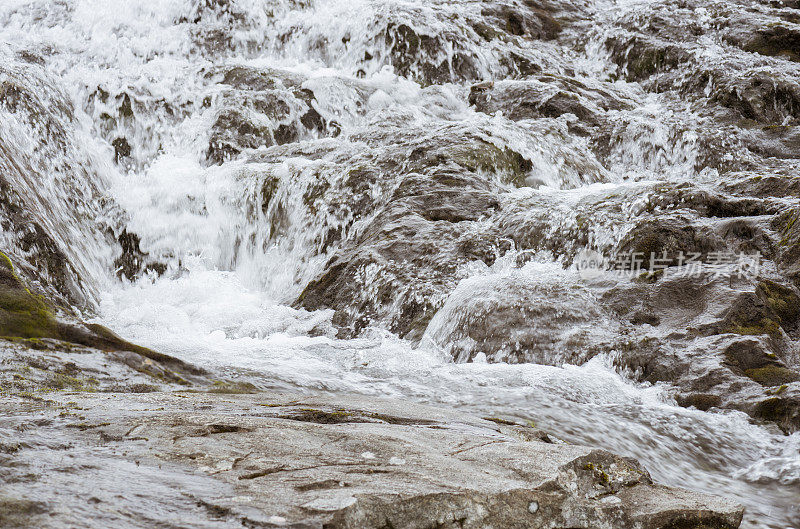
(75, 452)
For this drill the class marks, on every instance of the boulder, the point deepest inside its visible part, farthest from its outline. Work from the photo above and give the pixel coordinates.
(261, 108)
(528, 316)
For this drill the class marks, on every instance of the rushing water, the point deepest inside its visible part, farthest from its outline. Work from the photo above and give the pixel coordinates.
(226, 298)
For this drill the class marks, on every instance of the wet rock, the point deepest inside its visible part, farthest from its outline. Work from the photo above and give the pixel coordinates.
(708, 203)
(526, 20)
(783, 409)
(661, 241)
(772, 308)
(122, 149)
(767, 185)
(221, 27)
(719, 344)
(37, 219)
(549, 96)
(416, 55)
(641, 57)
(758, 95)
(441, 43)
(420, 52)
(246, 460)
(19, 513)
(788, 257)
(701, 401)
(25, 315)
(400, 269)
(261, 109)
(667, 47)
(128, 118)
(520, 318)
(773, 39)
(133, 262)
(395, 225)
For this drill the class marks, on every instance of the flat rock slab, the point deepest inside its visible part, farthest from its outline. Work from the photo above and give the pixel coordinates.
(189, 459)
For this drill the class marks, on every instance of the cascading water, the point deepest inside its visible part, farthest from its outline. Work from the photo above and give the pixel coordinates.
(332, 102)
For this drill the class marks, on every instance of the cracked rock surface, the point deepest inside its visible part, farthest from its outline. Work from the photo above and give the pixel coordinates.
(104, 449)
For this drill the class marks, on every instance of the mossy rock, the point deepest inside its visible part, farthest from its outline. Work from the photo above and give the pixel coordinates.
(764, 326)
(5, 262)
(783, 301)
(785, 412)
(774, 308)
(232, 388)
(788, 226)
(22, 313)
(27, 316)
(488, 158)
(772, 375)
(701, 401)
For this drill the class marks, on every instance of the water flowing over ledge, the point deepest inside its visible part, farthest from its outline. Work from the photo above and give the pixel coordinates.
(387, 198)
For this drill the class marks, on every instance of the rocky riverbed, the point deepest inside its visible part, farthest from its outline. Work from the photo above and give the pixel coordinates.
(92, 439)
(583, 214)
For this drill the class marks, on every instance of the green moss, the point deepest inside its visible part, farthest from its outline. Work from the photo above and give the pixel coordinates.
(60, 381)
(5, 262)
(781, 411)
(778, 390)
(26, 317)
(106, 339)
(651, 277)
(772, 375)
(498, 420)
(33, 343)
(598, 472)
(489, 158)
(765, 326)
(786, 223)
(782, 300)
(235, 388)
(22, 313)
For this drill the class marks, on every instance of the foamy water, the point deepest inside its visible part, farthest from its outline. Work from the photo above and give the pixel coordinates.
(225, 300)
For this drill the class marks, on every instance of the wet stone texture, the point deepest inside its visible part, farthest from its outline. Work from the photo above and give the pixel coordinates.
(219, 455)
(517, 134)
